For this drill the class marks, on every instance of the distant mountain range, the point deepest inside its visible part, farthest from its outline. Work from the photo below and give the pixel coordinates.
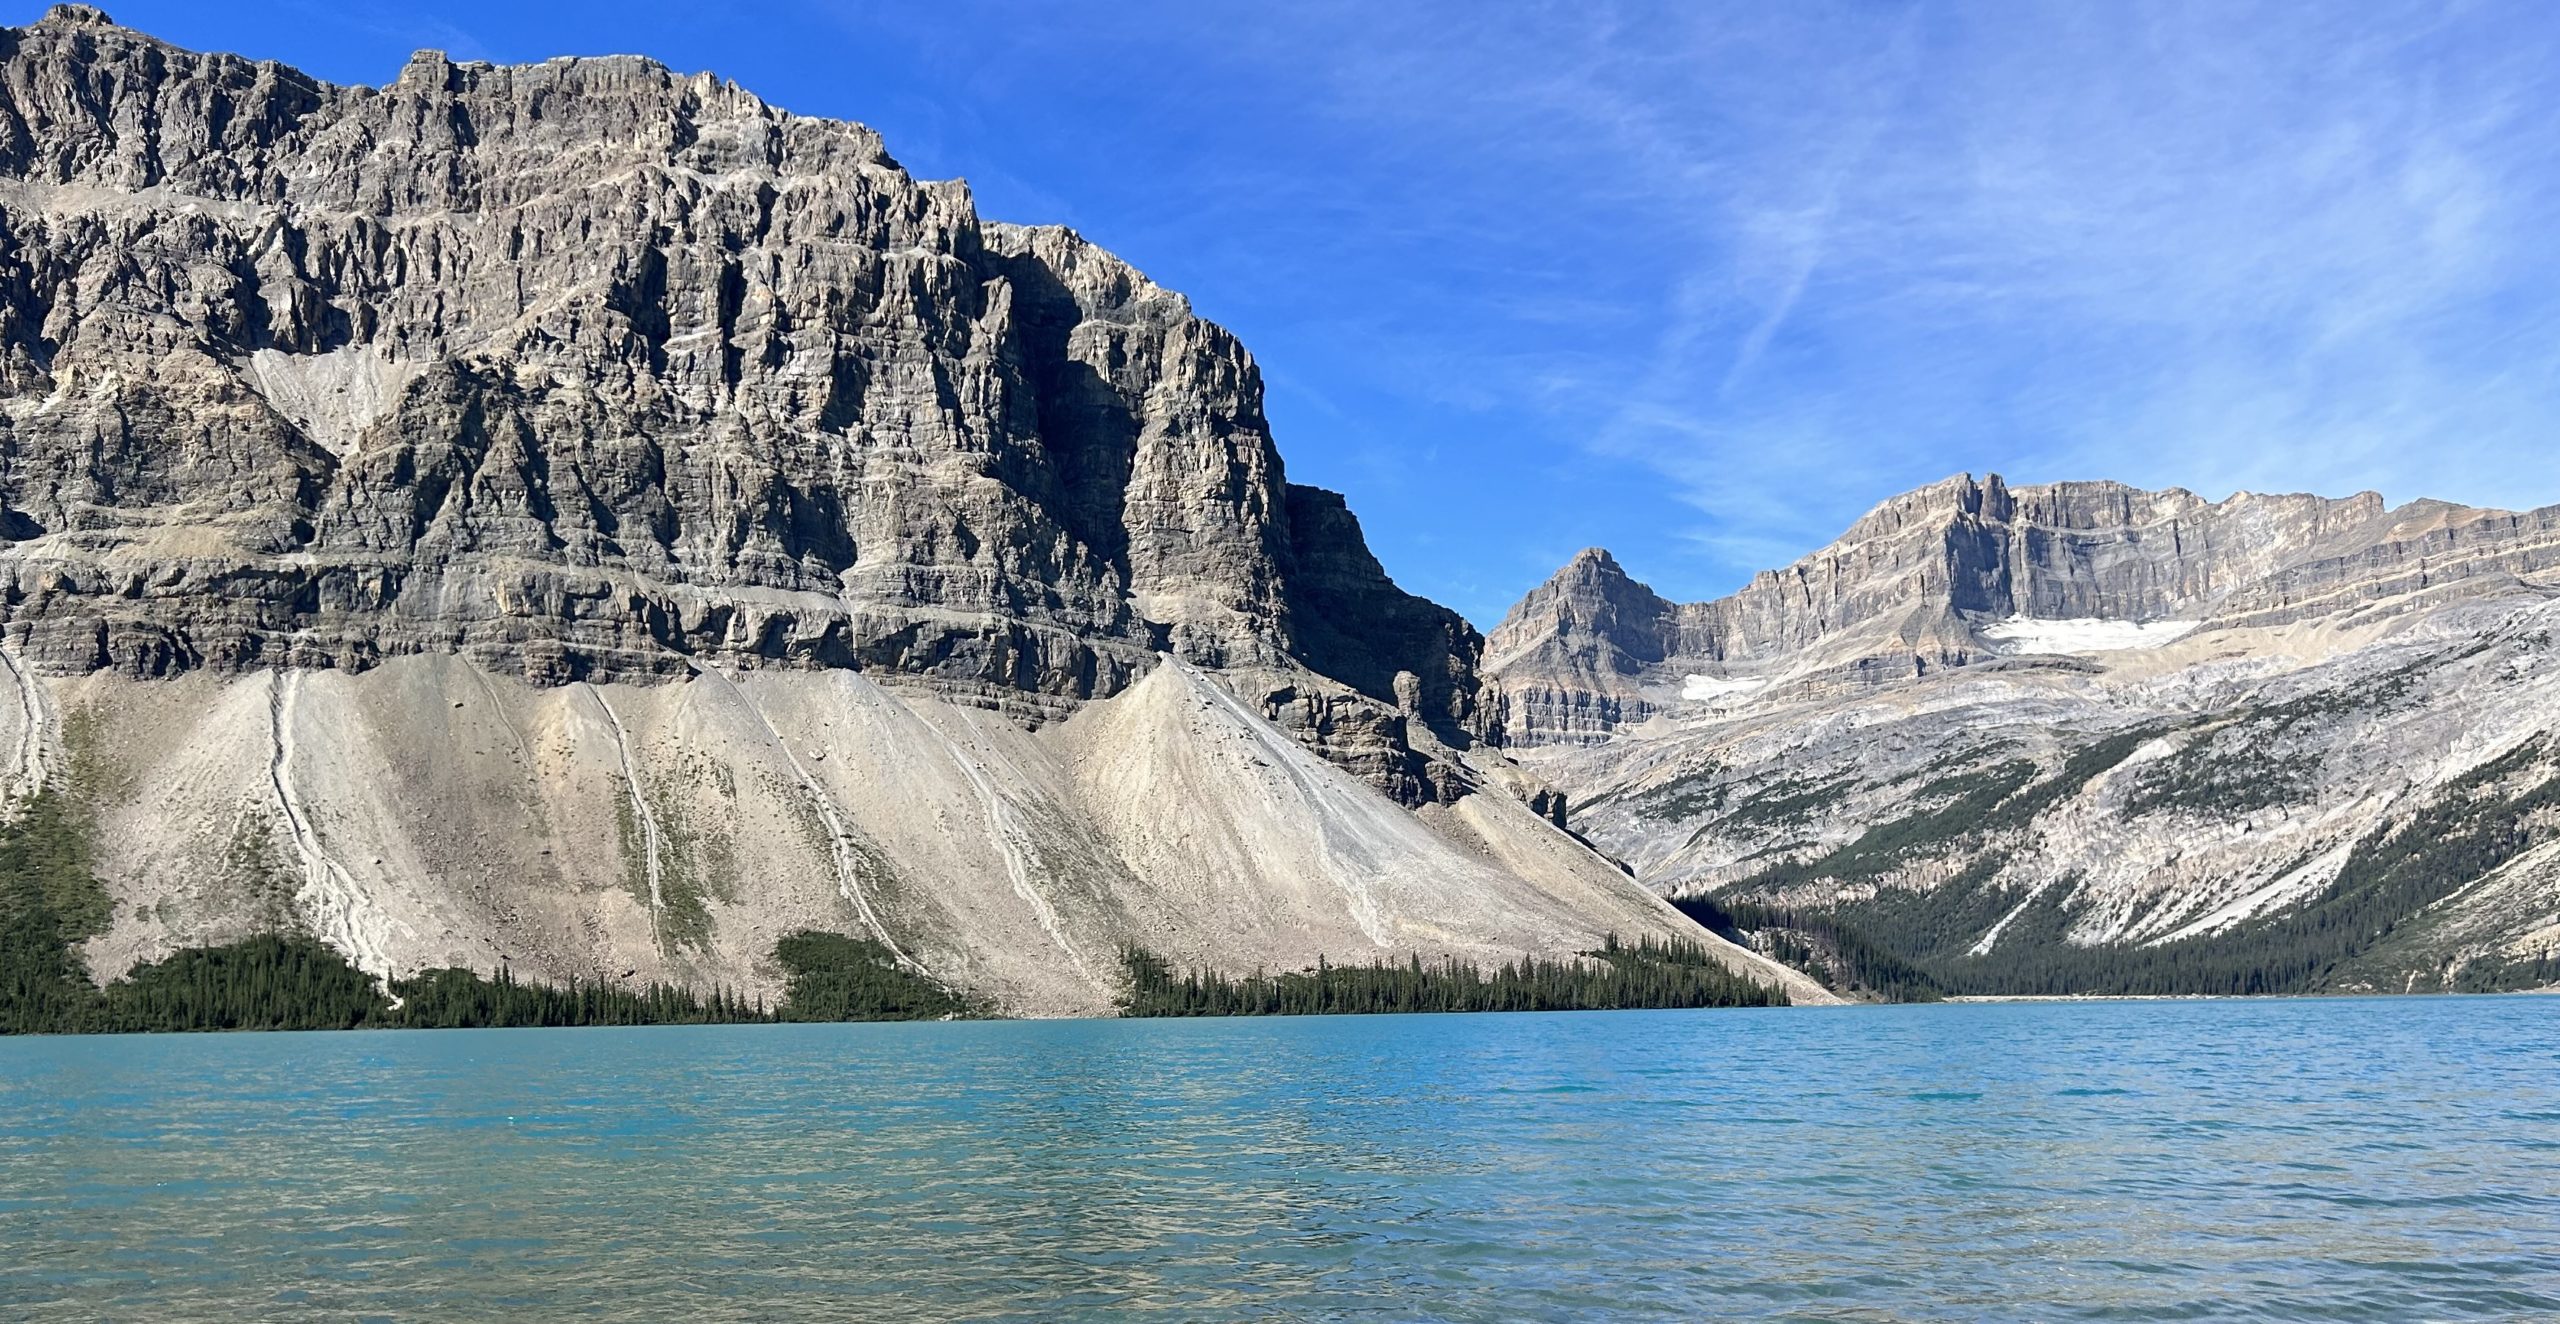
(579, 519)
(2083, 737)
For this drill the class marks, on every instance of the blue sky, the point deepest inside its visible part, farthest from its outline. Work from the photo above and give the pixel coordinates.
(1702, 282)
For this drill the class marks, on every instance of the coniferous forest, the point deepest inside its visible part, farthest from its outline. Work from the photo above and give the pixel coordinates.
(1618, 976)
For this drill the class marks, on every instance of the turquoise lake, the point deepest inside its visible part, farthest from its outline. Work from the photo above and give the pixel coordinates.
(2283, 1160)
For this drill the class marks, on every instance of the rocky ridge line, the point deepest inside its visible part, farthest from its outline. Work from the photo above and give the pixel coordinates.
(1909, 589)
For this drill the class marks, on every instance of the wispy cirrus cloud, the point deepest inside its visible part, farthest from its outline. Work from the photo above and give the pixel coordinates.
(1836, 250)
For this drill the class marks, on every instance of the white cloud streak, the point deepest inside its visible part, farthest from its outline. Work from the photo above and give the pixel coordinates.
(2217, 245)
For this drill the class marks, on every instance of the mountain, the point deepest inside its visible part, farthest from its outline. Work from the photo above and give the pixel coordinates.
(2084, 737)
(581, 518)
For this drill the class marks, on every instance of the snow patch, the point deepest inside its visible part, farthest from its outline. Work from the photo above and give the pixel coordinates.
(1720, 691)
(2082, 634)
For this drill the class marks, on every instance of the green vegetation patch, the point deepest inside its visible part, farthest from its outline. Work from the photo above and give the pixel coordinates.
(695, 864)
(50, 899)
(1970, 809)
(2254, 761)
(2091, 761)
(2503, 974)
(1787, 802)
(270, 982)
(1687, 796)
(50, 895)
(1935, 924)
(48, 867)
(254, 876)
(1973, 804)
(836, 978)
(2244, 778)
(464, 999)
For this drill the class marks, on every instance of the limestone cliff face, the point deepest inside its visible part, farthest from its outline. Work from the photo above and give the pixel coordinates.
(587, 370)
(1909, 589)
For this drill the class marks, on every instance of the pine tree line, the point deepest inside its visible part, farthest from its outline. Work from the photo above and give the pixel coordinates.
(1651, 973)
(293, 982)
(463, 999)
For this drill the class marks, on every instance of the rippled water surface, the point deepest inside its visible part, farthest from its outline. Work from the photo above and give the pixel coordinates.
(2385, 1160)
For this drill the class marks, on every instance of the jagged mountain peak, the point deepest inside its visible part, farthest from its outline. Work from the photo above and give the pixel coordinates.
(78, 16)
(1591, 602)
